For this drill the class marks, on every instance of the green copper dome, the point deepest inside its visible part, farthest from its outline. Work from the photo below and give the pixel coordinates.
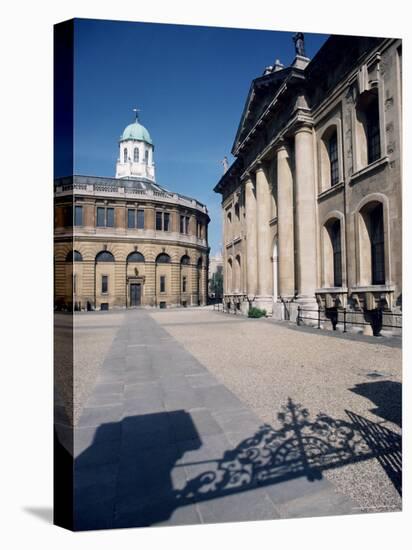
(136, 131)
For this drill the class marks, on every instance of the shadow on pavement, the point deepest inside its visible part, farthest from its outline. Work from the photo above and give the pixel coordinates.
(133, 473)
(387, 396)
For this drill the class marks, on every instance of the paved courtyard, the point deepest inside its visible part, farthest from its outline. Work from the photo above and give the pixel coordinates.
(193, 416)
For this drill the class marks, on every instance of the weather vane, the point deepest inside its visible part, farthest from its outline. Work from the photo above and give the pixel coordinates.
(137, 111)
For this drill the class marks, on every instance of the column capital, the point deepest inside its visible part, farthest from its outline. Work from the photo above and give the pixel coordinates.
(303, 126)
(259, 165)
(246, 176)
(282, 145)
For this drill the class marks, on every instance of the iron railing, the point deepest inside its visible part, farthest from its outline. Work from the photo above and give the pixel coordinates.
(376, 318)
(227, 307)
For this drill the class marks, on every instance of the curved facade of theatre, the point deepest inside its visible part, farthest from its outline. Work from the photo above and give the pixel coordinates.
(127, 242)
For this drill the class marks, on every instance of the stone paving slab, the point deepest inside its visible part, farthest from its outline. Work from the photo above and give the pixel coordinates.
(161, 441)
(265, 363)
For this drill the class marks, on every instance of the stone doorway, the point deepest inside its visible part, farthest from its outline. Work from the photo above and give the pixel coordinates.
(135, 294)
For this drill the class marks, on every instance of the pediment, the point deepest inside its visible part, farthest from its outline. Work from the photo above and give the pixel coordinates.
(261, 93)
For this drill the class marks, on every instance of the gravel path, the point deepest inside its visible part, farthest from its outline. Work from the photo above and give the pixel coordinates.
(265, 363)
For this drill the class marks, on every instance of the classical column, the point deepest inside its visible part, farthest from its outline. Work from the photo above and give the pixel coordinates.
(286, 250)
(251, 237)
(305, 212)
(264, 240)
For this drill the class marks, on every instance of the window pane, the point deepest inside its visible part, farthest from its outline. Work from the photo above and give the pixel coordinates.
(78, 216)
(105, 283)
(163, 259)
(182, 224)
(104, 256)
(110, 217)
(162, 283)
(373, 131)
(100, 217)
(184, 284)
(68, 216)
(125, 155)
(187, 225)
(140, 219)
(166, 221)
(333, 158)
(337, 255)
(136, 154)
(377, 246)
(131, 219)
(158, 221)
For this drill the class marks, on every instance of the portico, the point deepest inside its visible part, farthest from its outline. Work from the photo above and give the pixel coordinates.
(311, 200)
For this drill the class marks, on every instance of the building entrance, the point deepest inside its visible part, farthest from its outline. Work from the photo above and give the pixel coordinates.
(135, 294)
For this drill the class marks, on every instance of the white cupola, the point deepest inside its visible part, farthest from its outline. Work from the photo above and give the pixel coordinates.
(135, 152)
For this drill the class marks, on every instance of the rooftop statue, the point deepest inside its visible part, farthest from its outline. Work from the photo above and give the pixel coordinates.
(299, 41)
(225, 163)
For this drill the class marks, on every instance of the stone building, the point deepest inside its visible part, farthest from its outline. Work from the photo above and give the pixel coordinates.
(312, 211)
(215, 267)
(127, 241)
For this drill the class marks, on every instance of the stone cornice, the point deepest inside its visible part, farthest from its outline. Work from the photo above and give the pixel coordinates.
(294, 74)
(115, 189)
(130, 239)
(331, 191)
(370, 168)
(244, 176)
(301, 119)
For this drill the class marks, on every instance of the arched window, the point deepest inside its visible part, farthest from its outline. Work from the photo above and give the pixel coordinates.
(237, 272)
(237, 210)
(377, 245)
(333, 158)
(329, 157)
(74, 256)
(146, 157)
(372, 244)
(332, 274)
(136, 154)
(125, 155)
(135, 257)
(368, 128)
(335, 237)
(185, 260)
(229, 217)
(373, 130)
(104, 256)
(163, 258)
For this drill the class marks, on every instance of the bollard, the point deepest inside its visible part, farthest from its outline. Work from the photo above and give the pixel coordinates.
(298, 317)
(344, 319)
(318, 317)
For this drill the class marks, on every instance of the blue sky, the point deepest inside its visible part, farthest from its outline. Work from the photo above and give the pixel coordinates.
(189, 82)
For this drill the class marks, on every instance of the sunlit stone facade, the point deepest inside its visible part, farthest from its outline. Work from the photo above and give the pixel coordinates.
(126, 241)
(312, 203)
